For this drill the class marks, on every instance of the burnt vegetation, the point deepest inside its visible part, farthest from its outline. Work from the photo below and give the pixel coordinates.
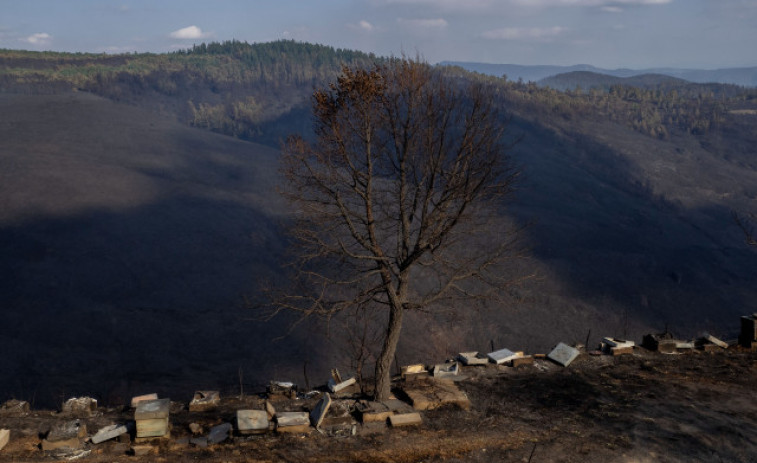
(630, 186)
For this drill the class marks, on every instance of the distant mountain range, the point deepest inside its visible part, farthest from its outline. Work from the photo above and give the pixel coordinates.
(738, 76)
(592, 80)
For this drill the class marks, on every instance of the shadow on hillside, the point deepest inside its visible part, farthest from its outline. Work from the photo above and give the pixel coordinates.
(630, 260)
(112, 304)
(149, 298)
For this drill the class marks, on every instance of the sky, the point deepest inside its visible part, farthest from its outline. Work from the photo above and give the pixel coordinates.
(637, 34)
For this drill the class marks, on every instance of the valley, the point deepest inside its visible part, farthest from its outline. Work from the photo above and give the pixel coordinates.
(136, 234)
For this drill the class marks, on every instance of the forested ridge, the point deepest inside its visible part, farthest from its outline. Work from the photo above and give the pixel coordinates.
(240, 89)
(231, 87)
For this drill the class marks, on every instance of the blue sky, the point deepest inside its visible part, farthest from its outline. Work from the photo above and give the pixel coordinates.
(607, 33)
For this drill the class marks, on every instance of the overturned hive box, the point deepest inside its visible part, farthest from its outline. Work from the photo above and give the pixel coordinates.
(292, 422)
(503, 355)
(5, 435)
(80, 407)
(410, 372)
(281, 390)
(152, 418)
(563, 354)
(430, 393)
(204, 401)
(446, 370)
(252, 421)
(472, 358)
(68, 434)
(663, 342)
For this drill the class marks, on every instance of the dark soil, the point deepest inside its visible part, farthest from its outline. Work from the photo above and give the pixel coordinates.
(645, 407)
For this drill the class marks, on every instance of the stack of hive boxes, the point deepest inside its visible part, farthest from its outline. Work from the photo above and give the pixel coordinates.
(152, 418)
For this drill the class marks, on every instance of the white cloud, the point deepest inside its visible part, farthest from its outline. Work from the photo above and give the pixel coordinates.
(524, 33)
(362, 25)
(435, 23)
(612, 9)
(365, 25)
(190, 32)
(40, 38)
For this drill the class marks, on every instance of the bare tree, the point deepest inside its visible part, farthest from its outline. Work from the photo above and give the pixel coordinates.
(399, 200)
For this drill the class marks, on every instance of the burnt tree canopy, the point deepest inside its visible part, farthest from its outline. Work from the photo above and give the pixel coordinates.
(399, 199)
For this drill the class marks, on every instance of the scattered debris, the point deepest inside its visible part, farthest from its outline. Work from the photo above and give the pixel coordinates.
(67, 434)
(152, 418)
(141, 398)
(665, 343)
(428, 394)
(684, 345)
(281, 389)
(80, 407)
(338, 426)
(219, 433)
(5, 435)
(406, 419)
(614, 342)
(252, 421)
(410, 372)
(563, 354)
(109, 432)
(331, 417)
(472, 358)
(374, 412)
(14, 408)
(69, 454)
(143, 450)
(709, 343)
(718, 342)
(320, 410)
(616, 346)
(204, 401)
(706, 346)
(503, 355)
(446, 370)
(293, 422)
(615, 351)
(341, 386)
(270, 410)
(521, 361)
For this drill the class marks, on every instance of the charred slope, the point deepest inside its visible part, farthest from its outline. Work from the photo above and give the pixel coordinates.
(129, 240)
(128, 243)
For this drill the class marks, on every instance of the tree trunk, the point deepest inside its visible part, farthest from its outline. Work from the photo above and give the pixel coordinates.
(384, 362)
